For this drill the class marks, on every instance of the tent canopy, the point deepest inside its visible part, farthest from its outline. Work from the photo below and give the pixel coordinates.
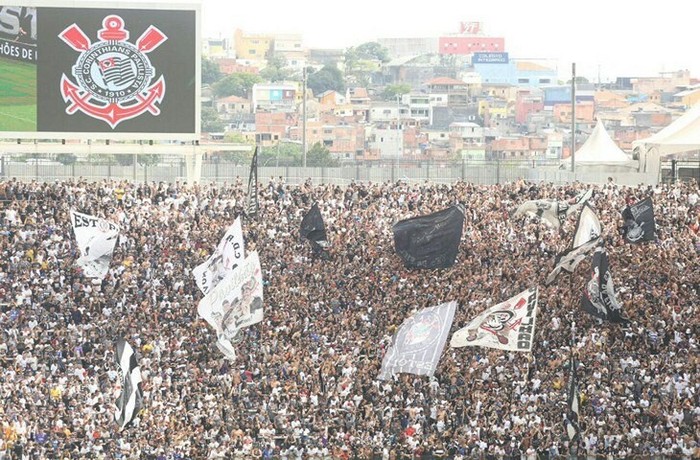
(600, 149)
(680, 136)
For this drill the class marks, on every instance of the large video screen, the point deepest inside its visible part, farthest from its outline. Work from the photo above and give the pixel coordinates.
(99, 72)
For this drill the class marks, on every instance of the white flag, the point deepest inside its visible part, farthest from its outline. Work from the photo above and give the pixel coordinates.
(418, 344)
(510, 325)
(553, 212)
(226, 257)
(588, 227)
(550, 211)
(235, 303)
(96, 238)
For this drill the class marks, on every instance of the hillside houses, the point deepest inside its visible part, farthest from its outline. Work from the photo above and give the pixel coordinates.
(455, 103)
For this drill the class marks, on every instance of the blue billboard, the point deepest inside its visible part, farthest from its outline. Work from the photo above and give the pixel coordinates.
(490, 58)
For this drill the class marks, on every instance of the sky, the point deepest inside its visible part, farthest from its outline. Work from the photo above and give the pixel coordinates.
(605, 38)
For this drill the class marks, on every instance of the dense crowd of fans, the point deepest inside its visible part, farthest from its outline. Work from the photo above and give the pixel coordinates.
(304, 383)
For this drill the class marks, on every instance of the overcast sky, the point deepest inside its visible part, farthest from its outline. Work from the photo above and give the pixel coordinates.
(604, 37)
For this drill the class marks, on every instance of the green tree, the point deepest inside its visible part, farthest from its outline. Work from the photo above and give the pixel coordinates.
(318, 155)
(351, 59)
(210, 72)
(145, 159)
(66, 158)
(361, 62)
(238, 157)
(391, 91)
(276, 69)
(282, 154)
(237, 84)
(211, 123)
(102, 159)
(233, 137)
(328, 78)
(124, 160)
(372, 50)
(148, 159)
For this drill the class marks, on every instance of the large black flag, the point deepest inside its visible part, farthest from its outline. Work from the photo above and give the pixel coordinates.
(131, 399)
(313, 228)
(639, 221)
(252, 205)
(573, 429)
(430, 241)
(598, 297)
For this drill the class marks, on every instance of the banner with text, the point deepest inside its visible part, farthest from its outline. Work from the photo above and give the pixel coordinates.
(96, 238)
(418, 344)
(510, 325)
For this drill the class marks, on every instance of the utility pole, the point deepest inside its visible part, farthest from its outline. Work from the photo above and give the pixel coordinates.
(573, 116)
(398, 126)
(303, 115)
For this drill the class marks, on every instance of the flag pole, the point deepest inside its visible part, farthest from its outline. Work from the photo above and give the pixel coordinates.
(572, 362)
(573, 117)
(252, 207)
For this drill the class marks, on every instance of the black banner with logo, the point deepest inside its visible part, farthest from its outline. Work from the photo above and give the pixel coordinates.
(640, 224)
(430, 241)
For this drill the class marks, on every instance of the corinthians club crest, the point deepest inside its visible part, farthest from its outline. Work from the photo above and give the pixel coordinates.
(112, 76)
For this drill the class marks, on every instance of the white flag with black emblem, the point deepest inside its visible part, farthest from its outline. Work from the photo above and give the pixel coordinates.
(96, 238)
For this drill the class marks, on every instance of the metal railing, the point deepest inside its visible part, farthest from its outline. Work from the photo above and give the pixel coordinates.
(220, 171)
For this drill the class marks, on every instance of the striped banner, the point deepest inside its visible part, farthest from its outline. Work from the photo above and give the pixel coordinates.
(252, 205)
(572, 419)
(131, 399)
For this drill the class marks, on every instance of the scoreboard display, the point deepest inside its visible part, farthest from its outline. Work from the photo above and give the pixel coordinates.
(97, 71)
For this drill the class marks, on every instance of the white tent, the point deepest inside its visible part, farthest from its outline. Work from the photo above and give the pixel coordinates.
(682, 135)
(600, 157)
(600, 149)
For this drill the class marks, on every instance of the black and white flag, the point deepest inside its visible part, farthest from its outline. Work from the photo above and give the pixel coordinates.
(418, 344)
(586, 237)
(598, 297)
(96, 238)
(552, 212)
(314, 229)
(509, 325)
(640, 224)
(227, 256)
(430, 241)
(573, 429)
(131, 399)
(252, 204)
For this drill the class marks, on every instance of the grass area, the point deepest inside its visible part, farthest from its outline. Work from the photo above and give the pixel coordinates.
(17, 96)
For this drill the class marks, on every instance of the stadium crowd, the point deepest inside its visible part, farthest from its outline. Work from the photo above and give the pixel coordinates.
(304, 383)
